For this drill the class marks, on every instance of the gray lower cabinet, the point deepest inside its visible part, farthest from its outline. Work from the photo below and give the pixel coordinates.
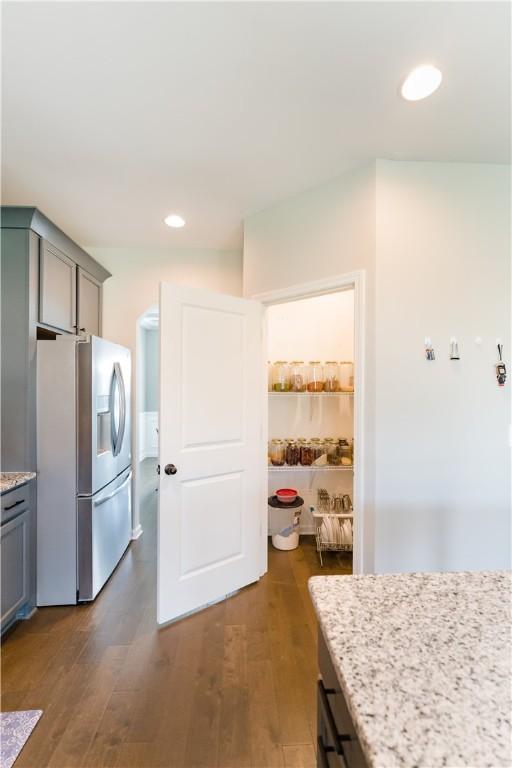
(337, 742)
(17, 545)
(14, 544)
(57, 288)
(89, 303)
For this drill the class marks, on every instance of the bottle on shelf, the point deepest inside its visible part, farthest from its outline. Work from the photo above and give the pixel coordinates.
(331, 451)
(277, 453)
(281, 376)
(306, 454)
(346, 376)
(318, 446)
(331, 377)
(297, 376)
(315, 377)
(344, 452)
(292, 452)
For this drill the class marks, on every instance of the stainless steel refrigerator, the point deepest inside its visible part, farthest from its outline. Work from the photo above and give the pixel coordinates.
(84, 466)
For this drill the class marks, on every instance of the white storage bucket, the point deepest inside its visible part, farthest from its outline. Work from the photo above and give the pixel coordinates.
(286, 542)
(284, 522)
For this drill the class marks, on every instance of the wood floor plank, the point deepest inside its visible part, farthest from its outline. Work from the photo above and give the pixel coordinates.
(264, 725)
(173, 710)
(58, 705)
(72, 747)
(234, 744)
(112, 730)
(299, 756)
(232, 686)
(203, 740)
(293, 708)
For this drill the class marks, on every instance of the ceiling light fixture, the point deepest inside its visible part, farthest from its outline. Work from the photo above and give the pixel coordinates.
(421, 82)
(173, 220)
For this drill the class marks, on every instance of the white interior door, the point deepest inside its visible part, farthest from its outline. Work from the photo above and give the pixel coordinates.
(211, 411)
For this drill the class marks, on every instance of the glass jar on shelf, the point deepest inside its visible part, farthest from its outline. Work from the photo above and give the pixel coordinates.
(281, 376)
(277, 453)
(315, 377)
(297, 376)
(331, 377)
(318, 447)
(344, 452)
(306, 453)
(331, 450)
(346, 376)
(269, 376)
(292, 455)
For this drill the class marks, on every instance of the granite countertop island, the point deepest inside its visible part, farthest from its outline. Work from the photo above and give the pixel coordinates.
(11, 480)
(424, 663)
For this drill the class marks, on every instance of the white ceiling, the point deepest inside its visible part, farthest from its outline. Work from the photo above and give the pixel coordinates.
(116, 114)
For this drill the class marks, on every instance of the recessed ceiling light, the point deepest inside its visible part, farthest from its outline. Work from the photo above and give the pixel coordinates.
(174, 221)
(422, 82)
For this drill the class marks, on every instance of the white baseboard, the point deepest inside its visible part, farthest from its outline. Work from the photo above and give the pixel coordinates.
(137, 532)
(152, 454)
(308, 530)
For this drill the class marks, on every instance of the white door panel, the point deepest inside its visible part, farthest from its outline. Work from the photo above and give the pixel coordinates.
(221, 536)
(213, 394)
(211, 430)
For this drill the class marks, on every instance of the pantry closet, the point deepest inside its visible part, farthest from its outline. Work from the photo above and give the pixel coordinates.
(310, 346)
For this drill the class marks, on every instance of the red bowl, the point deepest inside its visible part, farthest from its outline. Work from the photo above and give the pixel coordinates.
(286, 495)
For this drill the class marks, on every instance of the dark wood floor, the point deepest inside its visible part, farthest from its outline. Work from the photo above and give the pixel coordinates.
(233, 685)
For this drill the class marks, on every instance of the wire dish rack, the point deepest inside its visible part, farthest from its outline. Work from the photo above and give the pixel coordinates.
(333, 531)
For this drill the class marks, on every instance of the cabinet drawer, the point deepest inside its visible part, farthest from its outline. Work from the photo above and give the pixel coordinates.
(14, 545)
(326, 755)
(332, 707)
(14, 502)
(333, 688)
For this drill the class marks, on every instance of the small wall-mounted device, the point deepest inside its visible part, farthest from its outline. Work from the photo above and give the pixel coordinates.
(501, 371)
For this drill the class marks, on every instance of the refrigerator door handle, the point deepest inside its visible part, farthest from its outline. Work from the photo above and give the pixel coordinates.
(117, 429)
(122, 415)
(109, 496)
(114, 428)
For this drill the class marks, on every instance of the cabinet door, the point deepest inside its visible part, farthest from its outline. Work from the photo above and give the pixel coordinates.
(89, 303)
(57, 289)
(15, 566)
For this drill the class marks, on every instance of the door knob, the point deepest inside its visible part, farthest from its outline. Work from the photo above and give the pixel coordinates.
(170, 469)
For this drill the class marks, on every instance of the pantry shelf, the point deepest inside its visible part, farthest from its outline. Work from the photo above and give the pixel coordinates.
(299, 468)
(337, 515)
(311, 394)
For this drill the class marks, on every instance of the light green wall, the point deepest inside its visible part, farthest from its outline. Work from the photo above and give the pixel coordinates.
(151, 370)
(442, 452)
(434, 241)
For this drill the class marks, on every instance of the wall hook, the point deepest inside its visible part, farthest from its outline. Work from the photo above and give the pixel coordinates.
(501, 371)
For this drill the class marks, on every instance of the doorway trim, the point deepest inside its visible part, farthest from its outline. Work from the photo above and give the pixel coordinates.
(351, 280)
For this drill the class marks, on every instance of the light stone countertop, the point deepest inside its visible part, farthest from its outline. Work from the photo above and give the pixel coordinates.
(424, 662)
(11, 480)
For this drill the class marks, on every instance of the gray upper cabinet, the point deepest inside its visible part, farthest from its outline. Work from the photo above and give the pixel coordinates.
(57, 288)
(88, 303)
(39, 290)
